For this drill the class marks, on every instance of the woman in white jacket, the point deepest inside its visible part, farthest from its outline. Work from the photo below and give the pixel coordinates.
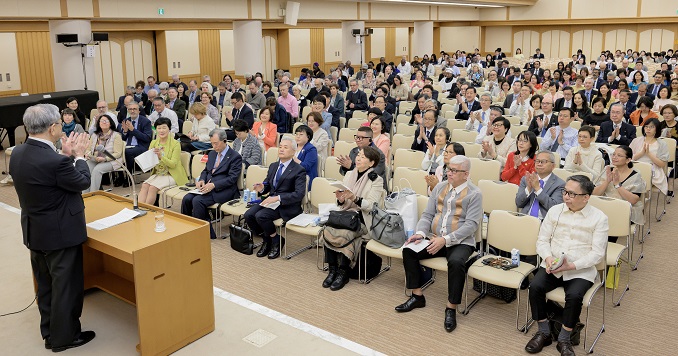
(434, 154)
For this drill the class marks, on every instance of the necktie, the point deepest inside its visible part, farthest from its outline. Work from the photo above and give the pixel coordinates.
(237, 113)
(480, 126)
(655, 90)
(427, 134)
(133, 141)
(588, 96)
(172, 104)
(192, 98)
(278, 174)
(216, 164)
(534, 211)
(567, 104)
(555, 146)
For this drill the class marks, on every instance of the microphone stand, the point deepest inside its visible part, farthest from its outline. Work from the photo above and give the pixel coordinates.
(135, 198)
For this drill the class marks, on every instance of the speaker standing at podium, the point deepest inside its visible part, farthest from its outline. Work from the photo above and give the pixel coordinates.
(48, 185)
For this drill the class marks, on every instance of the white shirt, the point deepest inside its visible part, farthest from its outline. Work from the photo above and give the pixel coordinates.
(405, 70)
(581, 235)
(168, 113)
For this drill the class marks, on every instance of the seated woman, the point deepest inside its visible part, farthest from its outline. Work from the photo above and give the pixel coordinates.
(520, 162)
(104, 135)
(598, 116)
(301, 99)
(246, 144)
(200, 131)
(586, 157)
(69, 124)
(663, 98)
(264, 130)
(212, 111)
(307, 155)
(72, 103)
(551, 91)
(644, 111)
(366, 189)
(621, 181)
(580, 107)
(497, 146)
(653, 151)
(320, 140)
(605, 92)
(169, 171)
(277, 116)
(380, 138)
(266, 90)
(452, 149)
(435, 151)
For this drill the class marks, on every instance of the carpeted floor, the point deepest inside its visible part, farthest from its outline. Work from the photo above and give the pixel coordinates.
(364, 313)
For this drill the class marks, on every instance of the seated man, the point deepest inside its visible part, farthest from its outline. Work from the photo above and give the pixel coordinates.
(102, 109)
(161, 110)
(560, 139)
(356, 99)
(479, 119)
(467, 104)
(177, 105)
(240, 110)
(289, 102)
(541, 190)
(255, 98)
(285, 183)
(218, 181)
(363, 138)
(542, 123)
(426, 132)
(136, 131)
(450, 228)
(578, 232)
(616, 131)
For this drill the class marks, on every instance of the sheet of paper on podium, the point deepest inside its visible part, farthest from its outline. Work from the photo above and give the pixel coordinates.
(147, 160)
(123, 216)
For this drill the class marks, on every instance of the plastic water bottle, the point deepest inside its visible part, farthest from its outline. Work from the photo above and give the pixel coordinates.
(515, 257)
(253, 195)
(246, 195)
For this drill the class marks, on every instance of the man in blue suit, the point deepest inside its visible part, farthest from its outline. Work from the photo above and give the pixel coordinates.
(626, 103)
(285, 184)
(217, 182)
(136, 131)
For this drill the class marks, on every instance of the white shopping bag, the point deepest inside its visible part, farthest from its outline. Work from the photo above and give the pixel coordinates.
(404, 203)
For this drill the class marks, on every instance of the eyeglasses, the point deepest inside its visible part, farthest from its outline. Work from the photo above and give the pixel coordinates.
(542, 161)
(523, 140)
(453, 171)
(359, 138)
(133, 109)
(102, 107)
(448, 152)
(572, 194)
(546, 103)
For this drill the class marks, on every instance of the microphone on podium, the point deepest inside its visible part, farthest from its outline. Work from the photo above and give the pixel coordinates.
(135, 199)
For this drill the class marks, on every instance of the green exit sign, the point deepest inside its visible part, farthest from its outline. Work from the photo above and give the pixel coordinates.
(161, 11)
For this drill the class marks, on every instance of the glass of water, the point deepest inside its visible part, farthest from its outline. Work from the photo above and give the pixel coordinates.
(160, 221)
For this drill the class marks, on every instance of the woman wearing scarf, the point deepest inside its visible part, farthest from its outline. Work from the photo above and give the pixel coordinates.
(366, 189)
(69, 124)
(98, 163)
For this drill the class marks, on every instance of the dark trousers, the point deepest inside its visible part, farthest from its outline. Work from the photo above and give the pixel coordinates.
(337, 259)
(574, 295)
(131, 153)
(196, 206)
(60, 280)
(261, 219)
(456, 268)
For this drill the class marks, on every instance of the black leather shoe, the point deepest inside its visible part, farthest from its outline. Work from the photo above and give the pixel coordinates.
(450, 319)
(411, 303)
(275, 249)
(85, 337)
(340, 280)
(565, 348)
(264, 249)
(330, 277)
(48, 344)
(537, 343)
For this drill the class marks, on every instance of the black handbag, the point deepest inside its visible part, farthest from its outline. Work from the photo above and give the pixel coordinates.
(344, 219)
(241, 239)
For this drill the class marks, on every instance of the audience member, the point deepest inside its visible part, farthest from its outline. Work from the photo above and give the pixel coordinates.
(161, 110)
(380, 137)
(151, 84)
(467, 104)
(105, 135)
(650, 150)
(79, 116)
(240, 110)
(193, 93)
(102, 108)
(136, 131)
(320, 140)
(355, 99)
(560, 139)
(520, 162)
(289, 102)
(435, 151)
(246, 144)
(586, 157)
(480, 119)
(541, 124)
(540, 191)
(199, 135)
(598, 116)
(498, 145)
(363, 138)
(212, 111)
(177, 105)
(616, 131)
(264, 130)
(306, 154)
(425, 132)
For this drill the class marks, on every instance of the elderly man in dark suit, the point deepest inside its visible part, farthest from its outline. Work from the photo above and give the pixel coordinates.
(285, 184)
(49, 188)
(616, 131)
(356, 99)
(426, 132)
(541, 190)
(468, 104)
(177, 105)
(217, 182)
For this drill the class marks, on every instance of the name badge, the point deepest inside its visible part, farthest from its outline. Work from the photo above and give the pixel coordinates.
(203, 159)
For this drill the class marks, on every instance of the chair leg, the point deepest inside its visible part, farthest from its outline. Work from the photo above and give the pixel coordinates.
(386, 268)
(305, 248)
(642, 247)
(657, 214)
(602, 326)
(483, 293)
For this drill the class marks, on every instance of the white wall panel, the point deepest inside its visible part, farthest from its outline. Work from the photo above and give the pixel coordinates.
(378, 43)
(183, 51)
(9, 62)
(300, 46)
(402, 41)
(333, 44)
(227, 50)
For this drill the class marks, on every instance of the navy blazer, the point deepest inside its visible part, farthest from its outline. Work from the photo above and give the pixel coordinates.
(143, 132)
(650, 89)
(246, 114)
(291, 188)
(551, 194)
(534, 126)
(339, 104)
(225, 177)
(628, 109)
(50, 188)
(627, 132)
(633, 98)
(309, 160)
(422, 145)
(359, 100)
(464, 116)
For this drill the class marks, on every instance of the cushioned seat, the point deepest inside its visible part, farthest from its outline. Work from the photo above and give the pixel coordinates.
(381, 249)
(498, 276)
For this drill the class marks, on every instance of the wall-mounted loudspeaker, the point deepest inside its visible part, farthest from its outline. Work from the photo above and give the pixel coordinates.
(355, 32)
(67, 38)
(99, 36)
(291, 13)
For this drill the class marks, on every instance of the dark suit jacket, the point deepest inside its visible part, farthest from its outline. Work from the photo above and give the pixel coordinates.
(503, 72)
(291, 188)
(313, 92)
(381, 67)
(225, 177)
(594, 92)
(539, 72)
(143, 132)
(309, 160)
(534, 127)
(650, 89)
(121, 103)
(49, 187)
(628, 109)
(464, 115)
(514, 78)
(538, 56)
(339, 104)
(560, 103)
(627, 133)
(246, 114)
(509, 100)
(359, 99)
(633, 98)
(179, 108)
(552, 194)
(422, 145)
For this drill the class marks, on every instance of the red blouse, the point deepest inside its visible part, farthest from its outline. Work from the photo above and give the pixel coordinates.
(513, 175)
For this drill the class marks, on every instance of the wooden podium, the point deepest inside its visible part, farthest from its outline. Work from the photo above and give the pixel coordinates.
(166, 275)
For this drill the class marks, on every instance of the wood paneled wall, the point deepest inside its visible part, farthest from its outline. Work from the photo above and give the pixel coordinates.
(284, 49)
(35, 62)
(390, 45)
(317, 46)
(210, 54)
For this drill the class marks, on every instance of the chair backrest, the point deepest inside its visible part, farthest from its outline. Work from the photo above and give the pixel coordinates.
(399, 141)
(197, 166)
(517, 129)
(296, 124)
(356, 122)
(415, 177)
(335, 133)
(508, 230)
(450, 115)
(563, 173)
(639, 131)
(446, 108)
(461, 135)
(575, 125)
(645, 170)
(188, 126)
(358, 114)
(185, 158)
(270, 156)
(618, 213)
(671, 145)
(343, 148)
(255, 174)
(403, 119)
(304, 112)
(342, 122)
(498, 195)
(422, 201)
(346, 134)
(453, 124)
(332, 169)
(406, 106)
(92, 115)
(484, 169)
(407, 158)
(514, 120)
(471, 149)
(322, 192)
(406, 129)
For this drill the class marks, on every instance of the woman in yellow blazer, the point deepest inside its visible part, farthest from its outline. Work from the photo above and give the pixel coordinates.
(169, 171)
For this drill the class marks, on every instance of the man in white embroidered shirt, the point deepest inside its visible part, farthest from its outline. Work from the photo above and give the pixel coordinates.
(448, 229)
(576, 231)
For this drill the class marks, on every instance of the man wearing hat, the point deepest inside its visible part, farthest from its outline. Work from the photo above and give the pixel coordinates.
(448, 81)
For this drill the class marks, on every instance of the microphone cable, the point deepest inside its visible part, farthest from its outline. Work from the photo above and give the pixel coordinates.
(17, 312)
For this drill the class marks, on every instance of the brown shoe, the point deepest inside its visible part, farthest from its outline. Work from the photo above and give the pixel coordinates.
(565, 348)
(537, 343)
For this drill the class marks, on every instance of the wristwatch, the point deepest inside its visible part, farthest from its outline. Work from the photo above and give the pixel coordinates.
(617, 186)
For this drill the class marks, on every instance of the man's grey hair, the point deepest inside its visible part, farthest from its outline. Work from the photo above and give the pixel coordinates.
(155, 92)
(552, 157)
(130, 87)
(588, 80)
(163, 85)
(133, 103)
(288, 75)
(38, 118)
(158, 98)
(293, 143)
(101, 101)
(175, 76)
(498, 110)
(220, 132)
(461, 160)
(486, 95)
(617, 104)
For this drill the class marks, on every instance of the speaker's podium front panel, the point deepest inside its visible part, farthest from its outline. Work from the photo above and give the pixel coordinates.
(166, 275)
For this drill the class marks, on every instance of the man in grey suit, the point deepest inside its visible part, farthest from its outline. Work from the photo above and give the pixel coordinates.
(510, 98)
(541, 190)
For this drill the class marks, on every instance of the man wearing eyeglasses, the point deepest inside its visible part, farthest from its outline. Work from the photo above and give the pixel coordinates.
(363, 138)
(136, 132)
(425, 132)
(102, 109)
(448, 230)
(560, 139)
(541, 190)
(577, 232)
